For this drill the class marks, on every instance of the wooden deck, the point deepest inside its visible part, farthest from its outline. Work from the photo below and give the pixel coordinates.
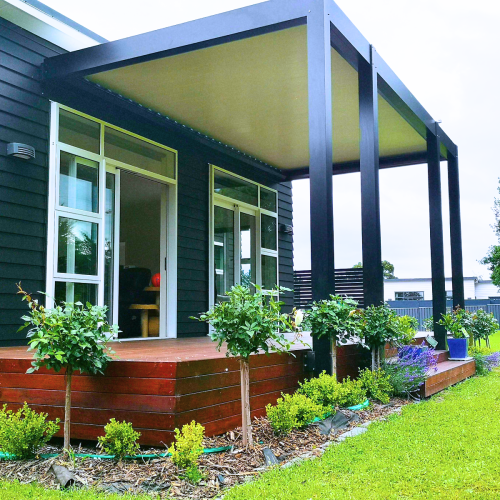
(159, 385)
(155, 384)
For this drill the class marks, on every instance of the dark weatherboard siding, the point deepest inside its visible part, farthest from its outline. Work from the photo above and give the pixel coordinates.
(23, 186)
(24, 117)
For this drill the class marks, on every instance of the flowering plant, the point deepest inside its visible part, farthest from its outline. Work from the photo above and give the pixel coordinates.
(409, 370)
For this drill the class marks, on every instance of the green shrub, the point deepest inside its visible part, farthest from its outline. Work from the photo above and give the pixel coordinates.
(120, 439)
(327, 392)
(292, 412)
(323, 390)
(188, 445)
(351, 393)
(24, 432)
(377, 384)
(475, 349)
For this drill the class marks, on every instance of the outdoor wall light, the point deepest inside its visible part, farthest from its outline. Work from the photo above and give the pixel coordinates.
(19, 150)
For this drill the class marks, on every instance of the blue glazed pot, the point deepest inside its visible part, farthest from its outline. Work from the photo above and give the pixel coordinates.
(458, 348)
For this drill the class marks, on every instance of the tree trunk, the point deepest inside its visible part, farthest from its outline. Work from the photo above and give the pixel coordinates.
(334, 358)
(374, 358)
(246, 423)
(67, 408)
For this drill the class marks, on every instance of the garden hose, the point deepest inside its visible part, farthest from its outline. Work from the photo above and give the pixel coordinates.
(8, 456)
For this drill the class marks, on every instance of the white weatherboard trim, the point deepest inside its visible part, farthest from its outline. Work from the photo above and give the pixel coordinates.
(168, 227)
(44, 25)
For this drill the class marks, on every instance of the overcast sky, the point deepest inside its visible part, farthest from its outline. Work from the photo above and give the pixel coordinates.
(446, 52)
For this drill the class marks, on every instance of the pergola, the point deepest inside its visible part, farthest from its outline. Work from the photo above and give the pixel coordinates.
(291, 87)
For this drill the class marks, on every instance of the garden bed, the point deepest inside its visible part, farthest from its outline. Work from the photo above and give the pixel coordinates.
(160, 476)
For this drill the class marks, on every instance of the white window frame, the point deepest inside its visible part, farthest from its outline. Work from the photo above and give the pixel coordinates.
(409, 291)
(168, 253)
(238, 207)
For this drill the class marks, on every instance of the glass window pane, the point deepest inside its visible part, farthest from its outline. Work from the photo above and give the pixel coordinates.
(77, 247)
(109, 231)
(138, 153)
(269, 272)
(268, 232)
(268, 200)
(75, 292)
(78, 183)
(236, 188)
(223, 251)
(78, 131)
(248, 249)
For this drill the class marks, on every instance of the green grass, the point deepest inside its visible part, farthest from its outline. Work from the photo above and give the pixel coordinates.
(495, 341)
(16, 491)
(444, 448)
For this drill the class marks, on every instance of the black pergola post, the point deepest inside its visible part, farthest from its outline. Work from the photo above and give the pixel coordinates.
(436, 232)
(457, 272)
(373, 276)
(320, 167)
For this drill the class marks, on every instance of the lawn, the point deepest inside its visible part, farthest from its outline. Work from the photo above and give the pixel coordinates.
(444, 448)
(16, 491)
(495, 341)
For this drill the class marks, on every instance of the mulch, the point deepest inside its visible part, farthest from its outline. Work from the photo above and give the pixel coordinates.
(162, 479)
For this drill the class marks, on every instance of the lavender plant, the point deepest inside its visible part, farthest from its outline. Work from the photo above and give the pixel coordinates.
(409, 370)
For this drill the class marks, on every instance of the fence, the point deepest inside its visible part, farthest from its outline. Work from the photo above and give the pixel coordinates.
(348, 282)
(422, 313)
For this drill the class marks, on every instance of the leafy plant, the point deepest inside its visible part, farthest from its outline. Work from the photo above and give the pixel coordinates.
(429, 324)
(323, 390)
(188, 445)
(408, 371)
(408, 326)
(193, 474)
(483, 325)
(249, 323)
(120, 439)
(24, 432)
(458, 323)
(377, 384)
(492, 259)
(485, 359)
(291, 412)
(351, 393)
(378, 326)
(327, 392)
(333, 318)
(70, 336)
(387, 267)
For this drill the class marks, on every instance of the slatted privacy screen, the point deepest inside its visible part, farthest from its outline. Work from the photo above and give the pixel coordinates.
(348, 282)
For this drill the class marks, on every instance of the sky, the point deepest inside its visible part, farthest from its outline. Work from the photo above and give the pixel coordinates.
(446, 53)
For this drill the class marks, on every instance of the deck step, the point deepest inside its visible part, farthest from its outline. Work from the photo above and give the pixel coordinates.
(448, 373)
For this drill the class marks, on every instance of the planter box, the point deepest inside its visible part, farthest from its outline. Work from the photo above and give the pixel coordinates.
(458, 348)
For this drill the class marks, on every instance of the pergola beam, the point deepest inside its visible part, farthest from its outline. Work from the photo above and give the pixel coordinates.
(194, 35)
(437, 239)
(373, 276)
(320, 168)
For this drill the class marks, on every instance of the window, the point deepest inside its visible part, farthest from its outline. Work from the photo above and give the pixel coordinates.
(409, 295)
(98, 172)
(245, 234)
(449, 294)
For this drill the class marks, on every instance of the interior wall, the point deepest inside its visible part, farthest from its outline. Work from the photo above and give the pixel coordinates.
(140, 219)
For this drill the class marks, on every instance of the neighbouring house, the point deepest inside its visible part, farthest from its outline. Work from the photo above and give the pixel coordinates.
(402, 289)
(151, 174)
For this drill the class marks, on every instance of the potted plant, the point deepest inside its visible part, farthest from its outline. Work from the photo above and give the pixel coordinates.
(458, 325)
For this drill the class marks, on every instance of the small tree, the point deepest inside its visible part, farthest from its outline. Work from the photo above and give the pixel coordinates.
(483, 325)
(492, 259)
(334, 318)
(378, 326)
(248, 323)
(386, 266)
(70, 336)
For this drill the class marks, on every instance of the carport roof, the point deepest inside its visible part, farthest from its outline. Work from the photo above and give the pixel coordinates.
(241, 78)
